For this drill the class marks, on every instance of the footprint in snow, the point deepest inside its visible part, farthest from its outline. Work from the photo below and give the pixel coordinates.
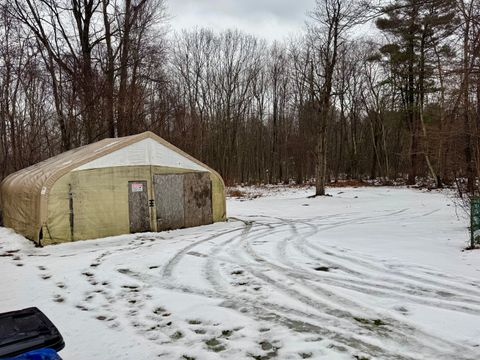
(89, 297)
(113, 324)
(124, 271)
(110, 320)
(159, 310)
(58, 298)
(132, 288)
(402, 309)
(305, 355)
(177, 335)
(270, 350)
(215, 345)
(82, 307)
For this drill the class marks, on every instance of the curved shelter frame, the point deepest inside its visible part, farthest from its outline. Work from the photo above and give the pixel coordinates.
(84, 193)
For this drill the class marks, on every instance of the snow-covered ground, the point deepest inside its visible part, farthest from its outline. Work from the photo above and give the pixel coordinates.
(369, 273)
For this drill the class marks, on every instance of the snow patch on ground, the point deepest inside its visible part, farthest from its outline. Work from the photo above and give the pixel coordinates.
(369, 273)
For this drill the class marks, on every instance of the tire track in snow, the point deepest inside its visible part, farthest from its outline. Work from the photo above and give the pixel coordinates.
(305, 299)
(423, 294)
(227, 247)
(267, 311)
(426, 295)
(436, 297)
(216, 293)
(173, 262)
(387, 274)
(440, 343)
(300, 322)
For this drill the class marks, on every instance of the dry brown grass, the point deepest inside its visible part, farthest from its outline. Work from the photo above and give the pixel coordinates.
(236, 193)
(348, 183)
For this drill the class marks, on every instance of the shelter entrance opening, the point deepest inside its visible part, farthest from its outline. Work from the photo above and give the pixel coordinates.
(198, 199)
(138, 209)
(183, 200)
(169, 200)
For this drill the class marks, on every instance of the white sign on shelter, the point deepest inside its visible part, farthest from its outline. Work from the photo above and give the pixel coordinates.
(137, 187)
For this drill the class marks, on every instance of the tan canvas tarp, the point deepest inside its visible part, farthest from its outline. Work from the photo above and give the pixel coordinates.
(24, 194)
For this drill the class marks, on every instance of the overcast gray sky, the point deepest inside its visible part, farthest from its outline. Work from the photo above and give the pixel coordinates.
(269, 19)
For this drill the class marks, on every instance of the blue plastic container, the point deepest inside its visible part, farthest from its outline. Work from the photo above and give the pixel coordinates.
(42, 354)
(29, 335)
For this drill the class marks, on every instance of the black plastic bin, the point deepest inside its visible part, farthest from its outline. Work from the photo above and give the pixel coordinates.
(26, 330)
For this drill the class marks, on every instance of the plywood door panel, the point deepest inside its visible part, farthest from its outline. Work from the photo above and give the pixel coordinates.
(198, 199)
(138, 209)
(169, 199)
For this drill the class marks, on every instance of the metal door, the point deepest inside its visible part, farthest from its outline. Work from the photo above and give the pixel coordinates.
(198, 199)
(169, 199)
(138, 209)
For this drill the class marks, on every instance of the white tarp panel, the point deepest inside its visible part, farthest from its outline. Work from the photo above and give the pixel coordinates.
(144, 152)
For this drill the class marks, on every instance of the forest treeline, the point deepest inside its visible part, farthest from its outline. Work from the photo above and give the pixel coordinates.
(337, 101)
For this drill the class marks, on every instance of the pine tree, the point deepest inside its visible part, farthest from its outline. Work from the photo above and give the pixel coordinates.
(416, 28)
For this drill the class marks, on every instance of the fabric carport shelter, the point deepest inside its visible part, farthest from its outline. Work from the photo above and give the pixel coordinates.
(92, 191)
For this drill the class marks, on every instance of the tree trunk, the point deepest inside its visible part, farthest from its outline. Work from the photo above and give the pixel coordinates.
(110, 73)
(321, 147)
(467, 150)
